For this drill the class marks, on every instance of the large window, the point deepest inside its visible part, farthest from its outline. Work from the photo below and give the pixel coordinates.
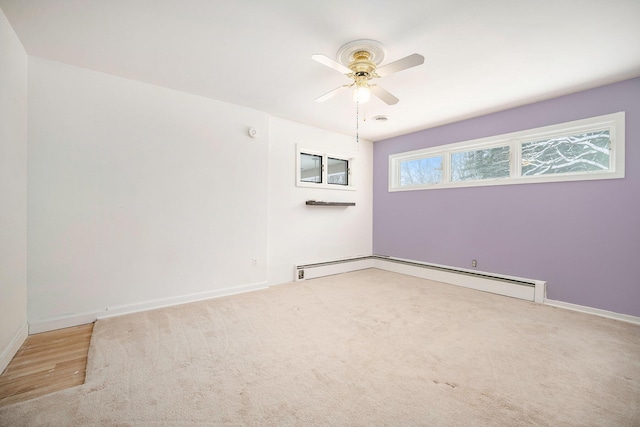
(322, 170)
(581, 150)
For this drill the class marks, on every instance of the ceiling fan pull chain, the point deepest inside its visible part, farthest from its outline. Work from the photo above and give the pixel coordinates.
(357, 121)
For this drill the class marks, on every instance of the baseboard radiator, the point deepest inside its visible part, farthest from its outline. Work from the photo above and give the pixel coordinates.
(321, 269)
(516, 287)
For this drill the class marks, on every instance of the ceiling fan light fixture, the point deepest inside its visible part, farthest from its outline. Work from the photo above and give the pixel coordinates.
(361, 94)
(361, 88)
(358, 60)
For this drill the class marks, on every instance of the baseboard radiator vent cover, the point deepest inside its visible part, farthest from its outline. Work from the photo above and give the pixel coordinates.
(321, 269)
(516, 287)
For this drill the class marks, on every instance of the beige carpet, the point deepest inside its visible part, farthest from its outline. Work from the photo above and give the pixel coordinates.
(359, 349)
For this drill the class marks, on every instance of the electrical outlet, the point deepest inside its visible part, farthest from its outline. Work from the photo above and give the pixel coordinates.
(474, 263)
(300, 274)
(254, 262)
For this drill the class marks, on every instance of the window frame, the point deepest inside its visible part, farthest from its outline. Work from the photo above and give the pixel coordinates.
(325, 184)
(411, 159)
(322, 166)
(467, 149)
(614, 123)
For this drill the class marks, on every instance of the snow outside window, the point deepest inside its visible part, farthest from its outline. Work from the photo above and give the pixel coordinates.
(581, 150)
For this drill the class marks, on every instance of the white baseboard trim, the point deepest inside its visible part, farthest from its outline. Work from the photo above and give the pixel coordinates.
(184, 299)
(13, 347)
(515, 287)
(82, 319)
(595, 311)
(62, 322)
(312, 271)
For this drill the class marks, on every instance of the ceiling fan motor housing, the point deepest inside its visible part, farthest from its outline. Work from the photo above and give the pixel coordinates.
(362, 66)
(362, 57)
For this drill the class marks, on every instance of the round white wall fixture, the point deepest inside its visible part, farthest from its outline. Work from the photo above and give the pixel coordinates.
(253, 132)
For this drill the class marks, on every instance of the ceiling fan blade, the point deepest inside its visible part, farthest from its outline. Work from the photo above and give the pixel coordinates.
(330, 94)
(400, 64)
(325, 60)
(384, 95)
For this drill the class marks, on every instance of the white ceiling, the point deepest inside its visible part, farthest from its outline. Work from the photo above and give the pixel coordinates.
(481, 56)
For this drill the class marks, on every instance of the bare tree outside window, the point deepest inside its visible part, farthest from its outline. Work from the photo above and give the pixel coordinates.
(488, 163)
(585, 152)
(423, 171)
(581, 150)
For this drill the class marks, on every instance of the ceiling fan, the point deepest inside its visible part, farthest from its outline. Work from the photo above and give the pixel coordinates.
(359, 61)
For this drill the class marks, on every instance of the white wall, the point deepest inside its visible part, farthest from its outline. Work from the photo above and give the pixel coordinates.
(138, 195)
(300, 234)
(13, 193)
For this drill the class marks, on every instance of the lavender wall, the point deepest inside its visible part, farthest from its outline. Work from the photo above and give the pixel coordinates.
(583, 238)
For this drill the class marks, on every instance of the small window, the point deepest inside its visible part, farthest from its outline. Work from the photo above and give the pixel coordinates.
(424, 171)
(578, 153)
(338, 171)
(586, 149)
(322, 170)
(310, 168)
(488, 163)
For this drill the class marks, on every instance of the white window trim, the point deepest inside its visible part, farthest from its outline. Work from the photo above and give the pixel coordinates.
(615, 123)
(325, 170)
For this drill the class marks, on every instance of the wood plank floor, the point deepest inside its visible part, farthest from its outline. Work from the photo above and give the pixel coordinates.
(46, 362)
